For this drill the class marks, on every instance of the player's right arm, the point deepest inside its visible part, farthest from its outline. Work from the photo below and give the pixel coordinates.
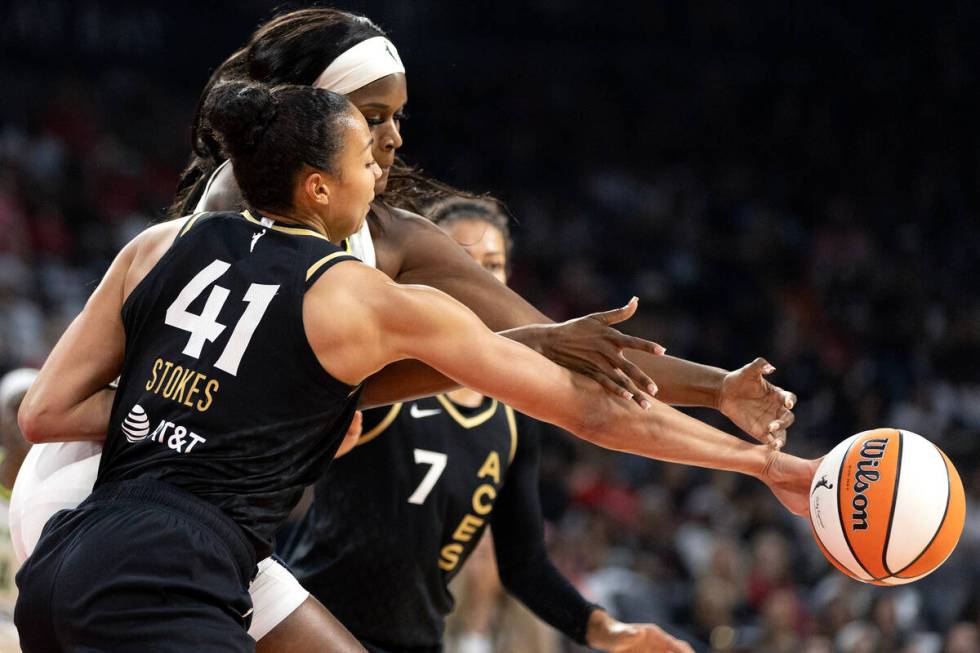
(358, 321)
(70, 399)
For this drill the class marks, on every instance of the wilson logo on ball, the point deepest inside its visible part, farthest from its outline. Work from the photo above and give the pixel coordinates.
(871, 453)
(891, 506)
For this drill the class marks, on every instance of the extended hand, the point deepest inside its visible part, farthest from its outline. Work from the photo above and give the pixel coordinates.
(759, 408)
(590, 346)
(607, 634)
(789, 478)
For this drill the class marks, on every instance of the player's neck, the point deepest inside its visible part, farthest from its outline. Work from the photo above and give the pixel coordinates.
(465, 397)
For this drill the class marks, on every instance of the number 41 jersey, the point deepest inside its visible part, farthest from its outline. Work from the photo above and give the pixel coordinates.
(221, 393)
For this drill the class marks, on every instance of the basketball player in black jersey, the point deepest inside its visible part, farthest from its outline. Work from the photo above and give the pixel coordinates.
(378, 550)
(299, 47)
(222, 416)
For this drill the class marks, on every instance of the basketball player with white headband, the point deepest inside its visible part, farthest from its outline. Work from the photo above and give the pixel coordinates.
(370, 67)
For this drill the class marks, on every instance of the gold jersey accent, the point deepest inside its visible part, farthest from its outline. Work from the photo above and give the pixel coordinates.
(382, 425)
(462, 420)
(482, 506)
(190, 223)
(319, 264)
(182, 384)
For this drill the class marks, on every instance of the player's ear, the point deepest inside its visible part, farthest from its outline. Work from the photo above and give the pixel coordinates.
(317, 189)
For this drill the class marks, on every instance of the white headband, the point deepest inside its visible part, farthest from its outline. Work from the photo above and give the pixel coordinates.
(15, 383)
(366, 62)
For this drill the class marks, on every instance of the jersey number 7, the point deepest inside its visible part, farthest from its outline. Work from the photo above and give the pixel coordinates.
(438, 465)
(205, 327)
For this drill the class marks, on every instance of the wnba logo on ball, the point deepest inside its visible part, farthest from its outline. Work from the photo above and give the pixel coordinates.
(136, 426)
(872, 452)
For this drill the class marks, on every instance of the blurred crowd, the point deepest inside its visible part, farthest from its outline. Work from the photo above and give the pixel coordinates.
(818, 209)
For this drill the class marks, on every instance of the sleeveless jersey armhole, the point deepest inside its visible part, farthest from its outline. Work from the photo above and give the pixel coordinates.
(324, 263)
(322, 260)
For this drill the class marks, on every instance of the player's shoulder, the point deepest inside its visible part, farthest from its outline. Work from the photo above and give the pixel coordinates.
(164, 234)
(345, 291)
(400, 224)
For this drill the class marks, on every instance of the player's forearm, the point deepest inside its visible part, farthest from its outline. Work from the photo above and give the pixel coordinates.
(667, 434)
(537, 387)
(404, 381)
(538, 584)
(681, 382)
(412, 379)
(44, 421)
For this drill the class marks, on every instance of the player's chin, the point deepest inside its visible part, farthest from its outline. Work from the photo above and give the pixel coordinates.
(382, 182)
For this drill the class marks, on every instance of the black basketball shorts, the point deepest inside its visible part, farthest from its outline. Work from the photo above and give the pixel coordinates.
(139, 566)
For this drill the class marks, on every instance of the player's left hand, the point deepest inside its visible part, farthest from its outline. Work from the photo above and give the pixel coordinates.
(591, 346)
(608, 634)
(755, 405)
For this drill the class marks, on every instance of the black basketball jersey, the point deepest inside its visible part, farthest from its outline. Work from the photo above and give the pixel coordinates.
(221, 393)
(403, 510)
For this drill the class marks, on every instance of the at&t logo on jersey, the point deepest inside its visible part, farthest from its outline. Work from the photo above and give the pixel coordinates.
(136, 427)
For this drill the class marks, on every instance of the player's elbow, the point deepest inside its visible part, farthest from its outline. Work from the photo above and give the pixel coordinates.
(35, 421)
(30, 423)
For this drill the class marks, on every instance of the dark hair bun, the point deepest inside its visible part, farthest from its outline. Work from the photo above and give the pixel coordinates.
(239, 114)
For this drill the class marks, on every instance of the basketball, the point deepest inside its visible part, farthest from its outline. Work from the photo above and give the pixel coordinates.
(887, 507)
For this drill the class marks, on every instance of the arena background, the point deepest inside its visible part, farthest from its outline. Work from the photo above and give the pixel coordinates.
(794, 180)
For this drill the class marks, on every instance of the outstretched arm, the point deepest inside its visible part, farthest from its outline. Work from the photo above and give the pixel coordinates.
(382, 321)
(429, 256)
(412, 379)
(412, 250)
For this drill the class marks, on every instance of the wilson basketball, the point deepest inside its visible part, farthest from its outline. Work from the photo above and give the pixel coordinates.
(887, 507)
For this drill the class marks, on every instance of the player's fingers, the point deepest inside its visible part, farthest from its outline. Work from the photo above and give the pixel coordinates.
(617, 315)
(789, 399)
(762, 366)
(639, 377)
(623, 341)
(626, 382)
(777, 439)
(614, 364)
(783, 422)
(610, 385)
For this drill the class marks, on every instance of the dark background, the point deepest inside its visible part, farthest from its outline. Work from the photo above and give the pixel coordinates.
(794, 180)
